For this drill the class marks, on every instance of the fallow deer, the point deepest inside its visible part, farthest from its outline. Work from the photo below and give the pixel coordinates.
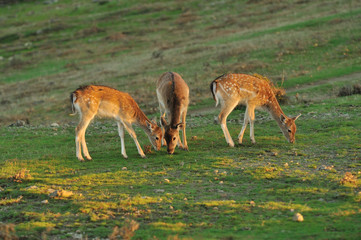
(232, 89)
(90, 101)
(173, 97)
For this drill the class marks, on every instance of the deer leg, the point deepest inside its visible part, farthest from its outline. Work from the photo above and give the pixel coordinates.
(78, 144)
(121, 135)
(245, 123)
(163, 131)
(251, 123)
(222, 117)
(80, 138)
(131, 132)
(185, 144)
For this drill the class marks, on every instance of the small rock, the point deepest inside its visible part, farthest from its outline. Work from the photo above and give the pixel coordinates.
(77, 236)
(54, 125)
(298, 217)
(215, 208)
(159, 190)
(31, 187)
(221, 182)
(1, 58)
(45, 202)
(124, 168)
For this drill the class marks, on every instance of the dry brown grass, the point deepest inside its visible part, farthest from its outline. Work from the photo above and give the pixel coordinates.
(125, 232)
(7, 232)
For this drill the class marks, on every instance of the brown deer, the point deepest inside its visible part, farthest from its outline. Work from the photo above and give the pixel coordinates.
(173, 97)
(90, 101)
(232, 89)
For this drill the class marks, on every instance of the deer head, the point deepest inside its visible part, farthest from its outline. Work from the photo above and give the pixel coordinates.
(171, 135)
(288, 127)
(155, 135)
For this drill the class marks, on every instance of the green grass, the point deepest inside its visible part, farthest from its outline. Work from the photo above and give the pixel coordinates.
(210, 187)
(213, 191)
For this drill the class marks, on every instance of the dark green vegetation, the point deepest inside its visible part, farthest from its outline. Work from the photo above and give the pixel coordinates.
(212, 191)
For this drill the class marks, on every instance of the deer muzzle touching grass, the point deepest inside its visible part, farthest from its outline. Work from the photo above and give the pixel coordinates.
(173, 97)
(230, 90)
(90, 101)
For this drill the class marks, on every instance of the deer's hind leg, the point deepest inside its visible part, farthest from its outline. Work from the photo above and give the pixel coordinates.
(85, 119)
(227, 108)
(248, 118)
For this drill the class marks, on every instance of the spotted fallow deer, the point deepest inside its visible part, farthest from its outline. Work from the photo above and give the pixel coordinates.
(90, 101)
(232, 89)
(173, 97)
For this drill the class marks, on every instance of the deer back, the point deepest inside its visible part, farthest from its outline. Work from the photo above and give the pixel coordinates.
(173, 94)
(242, 88)
(106, 102)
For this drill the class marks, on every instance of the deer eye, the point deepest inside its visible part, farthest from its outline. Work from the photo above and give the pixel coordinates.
(174, 139)
(157, 138)
(289, 130)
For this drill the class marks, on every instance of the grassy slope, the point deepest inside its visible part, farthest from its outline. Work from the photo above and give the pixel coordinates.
(48, 50)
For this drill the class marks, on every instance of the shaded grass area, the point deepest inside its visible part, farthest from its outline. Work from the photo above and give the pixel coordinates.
(212, 191)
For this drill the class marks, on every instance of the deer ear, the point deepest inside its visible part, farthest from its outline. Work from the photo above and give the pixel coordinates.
(179, 125)
(283, 119)
(149, 125)
(163, 122)
(295, 118)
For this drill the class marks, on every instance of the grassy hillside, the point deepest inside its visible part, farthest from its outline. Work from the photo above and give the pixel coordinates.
(48, 50)
(252, 191)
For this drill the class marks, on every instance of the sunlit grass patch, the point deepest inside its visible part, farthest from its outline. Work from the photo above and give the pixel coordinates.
(179, 226)
(5, 201)
(283, 206)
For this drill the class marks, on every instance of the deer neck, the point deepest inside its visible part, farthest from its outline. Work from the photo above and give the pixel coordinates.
(142, 120)
(175, 115)
(275, 110)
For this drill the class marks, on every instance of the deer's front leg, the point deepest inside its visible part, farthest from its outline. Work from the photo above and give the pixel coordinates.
(131, 132)
(121, 135)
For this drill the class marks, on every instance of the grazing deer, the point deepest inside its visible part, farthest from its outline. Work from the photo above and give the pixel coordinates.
(173, 97)
(90, 101)
(232, 89)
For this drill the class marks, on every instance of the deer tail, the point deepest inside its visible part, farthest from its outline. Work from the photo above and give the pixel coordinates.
(213, 87)
(72, 100)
